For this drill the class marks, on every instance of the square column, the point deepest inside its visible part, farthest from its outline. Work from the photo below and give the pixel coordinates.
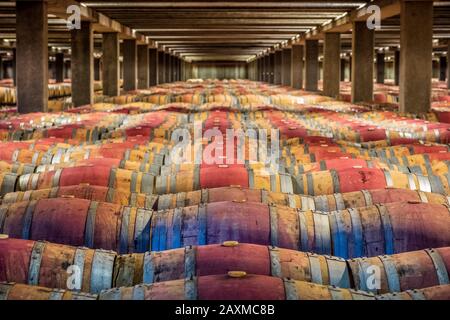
(153, 66)
(342, 69)
(111, 65)
(397, 67)
(129, 64)
(311, 64)
(448, 65)
(143, 66)
(32, 56)
(277, 67)
(82, 65)
(167, 67)
(380, 67)
(266, 68)
(332, 64)
(97, 69)
(442, 68)
(286, 67)
(362, 62)
(297, 66)
(59, 67)
(416, 43)
(161, 67)
(272, 68)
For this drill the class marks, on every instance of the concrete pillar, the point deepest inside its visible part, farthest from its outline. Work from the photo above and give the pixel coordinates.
(143, 66)
(442, 68)
(167, 67)
(260, 69)
(266, 68)
(97, 69)
(153, 66)
(362, 62)
(350, 68)
(1, 67)
(67, 69)
(297, 66)
(286, 67)
(82, 69)
(342, 69)
(397, 67)
(111, 65)
(380, 67)
(311, 64)
(331, 64)
(14, 64)
(129, 49)
(59, 67)
(32, 56)
(448, 65)
(277, 67)
(161, 68)
(416, 36)
(272, 68)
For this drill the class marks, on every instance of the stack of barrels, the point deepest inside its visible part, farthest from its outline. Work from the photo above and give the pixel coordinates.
(147, 197)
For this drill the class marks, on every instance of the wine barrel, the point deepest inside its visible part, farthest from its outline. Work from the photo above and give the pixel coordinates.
(401, 272)
(399, 227)
(233, 286)
(131, 181)
(348, 180)
(7, 182)
(16, 167)
(78, 222)
(224, 176)
(238, 285)
(231, 255)
(47, 265)
(344, 163)
(88, 192)
(13, 291)
(369, 231)
(106, 162)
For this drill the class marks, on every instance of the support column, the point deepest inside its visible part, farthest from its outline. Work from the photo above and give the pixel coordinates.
(266, 68)
(32, 56)
(161, 67)
(342, 69)
(442, 68)
(311, 64)
(272, 68)
(59, 67)
(362, 62)
(350, 68)
(331, 64)
(448, 65)
(286, 67)
(260, 69)
(297, 66)
(416, 36)
(97, 69)
(397, 67)
(277, 67)
(1, 67)
(14, 64)
(167, 67)
(153, 66)
(143, 66)
(81, 65)
(111, 64)
(380, 67)
(129, 64)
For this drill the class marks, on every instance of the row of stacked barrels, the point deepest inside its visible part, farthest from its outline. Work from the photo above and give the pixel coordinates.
(94, 204)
